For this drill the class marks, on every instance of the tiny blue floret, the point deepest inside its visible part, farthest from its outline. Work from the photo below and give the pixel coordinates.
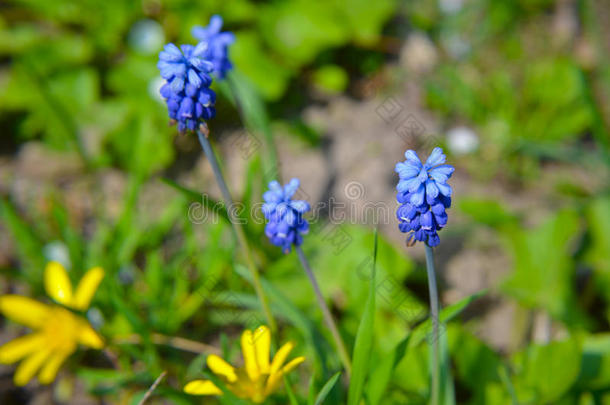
(218, 42)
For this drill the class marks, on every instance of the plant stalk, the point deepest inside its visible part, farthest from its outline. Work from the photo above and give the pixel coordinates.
(328, 318)
(434, 315)
(236, 223)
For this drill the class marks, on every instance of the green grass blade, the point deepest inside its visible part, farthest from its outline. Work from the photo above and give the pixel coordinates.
(27, 244)
(213, 206)
(446, 381)
(364, 342)
(327, 388)
(420, 333)
(311, 396)
(380, 378)
(290, 392)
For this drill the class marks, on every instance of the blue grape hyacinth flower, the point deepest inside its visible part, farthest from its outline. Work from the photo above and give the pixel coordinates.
(218, 42)
(286, 225)
(424, 196)
(187, 93)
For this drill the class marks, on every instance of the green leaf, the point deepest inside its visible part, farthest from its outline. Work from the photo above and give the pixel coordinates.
(331, 79)
(488, 212)
(447, 314)
(447, 393)
(380, 379)
(213, 206)
(252, 59)
(544, 266)
(29, 247)
(595, 366)
(366, 18)
(257, 121)
(546, 372)
(290, 392)
(598, 219)
(364, 341)
(300, 29)
(327, 388)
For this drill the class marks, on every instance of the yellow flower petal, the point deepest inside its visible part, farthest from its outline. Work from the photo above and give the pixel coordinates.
(89, 337)
(221, 367)
(262, 343)
(17, 349)
(292, 364)
(28, 367)
(202, 387)
(86, 288)
(247, 349)
(280, 357)
(275, 378)
(51, 367)
(57, 283)
(24, 310)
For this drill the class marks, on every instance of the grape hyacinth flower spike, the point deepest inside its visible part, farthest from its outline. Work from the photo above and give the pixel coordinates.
(187, 93)
(424, 196)
(285, 228)
(286, 225)
(218, 43)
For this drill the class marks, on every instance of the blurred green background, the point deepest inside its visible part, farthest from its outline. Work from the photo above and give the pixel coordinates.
(517, 92)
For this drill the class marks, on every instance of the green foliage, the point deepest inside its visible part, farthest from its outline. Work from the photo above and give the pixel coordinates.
(546, 372)
(543, 267)
(364, 341)
(326, 389)
(73, 79)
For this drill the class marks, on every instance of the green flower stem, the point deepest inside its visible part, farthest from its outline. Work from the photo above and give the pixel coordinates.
(434, 315)
(328, 318)
(239, 232)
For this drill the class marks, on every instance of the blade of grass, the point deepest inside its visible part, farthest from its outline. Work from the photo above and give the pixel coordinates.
(447, 392)
(328, 318)
(505, 378)
(364, 342)
(29, 247)
(380, 379)
(449, 313)
(209, 203)
(327, 388)
(311, 396)
(254, 115)
(290, 392)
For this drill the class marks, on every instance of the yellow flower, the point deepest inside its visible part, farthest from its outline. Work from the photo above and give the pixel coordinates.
(57, 330)
(258, 378)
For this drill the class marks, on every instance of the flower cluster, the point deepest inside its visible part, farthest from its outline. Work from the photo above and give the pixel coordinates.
(57, 330)
(218, 44)
(286, 223)
(187, 69)
(424, 195)
(187, 91)
(258, 378)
